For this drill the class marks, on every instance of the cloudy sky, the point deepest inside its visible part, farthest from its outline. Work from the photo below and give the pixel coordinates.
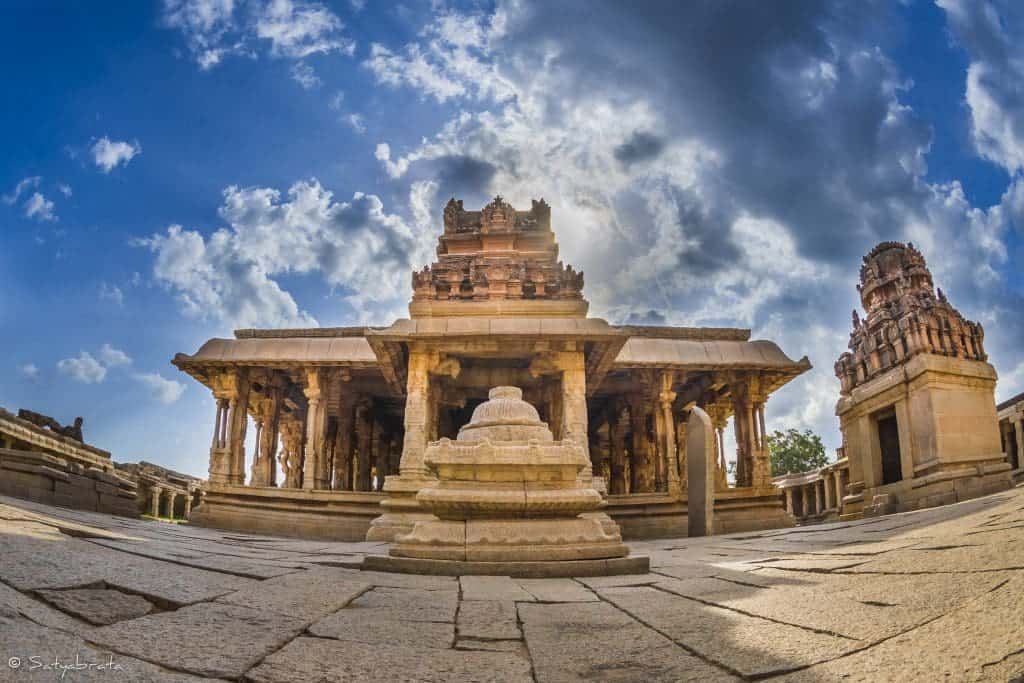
(171, 172)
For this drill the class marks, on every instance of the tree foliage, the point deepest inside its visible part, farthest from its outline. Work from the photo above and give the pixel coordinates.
(794, 451)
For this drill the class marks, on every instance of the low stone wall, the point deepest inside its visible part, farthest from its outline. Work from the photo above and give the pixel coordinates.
(346, 515)
(660, 515)
(320, 515)
(53, 480)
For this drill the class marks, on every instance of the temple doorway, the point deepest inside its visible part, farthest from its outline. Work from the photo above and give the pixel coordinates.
(889, 445)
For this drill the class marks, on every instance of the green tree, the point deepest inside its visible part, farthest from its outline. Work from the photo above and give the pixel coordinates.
(795, 451)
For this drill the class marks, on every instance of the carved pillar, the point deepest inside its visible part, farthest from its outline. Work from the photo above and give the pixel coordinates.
(666, 436)
(681, 418)
(364, 439)
(380, 455)
(314, 474)
(154, 500)
(267, 415)
(227, 459)
(417, 409)
(642, 464)
(342, 480)
(617, 428)
(290, 459)
(741, 424)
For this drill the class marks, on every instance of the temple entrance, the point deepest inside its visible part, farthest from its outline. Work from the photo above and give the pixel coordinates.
(889, 444)
(1013, 449)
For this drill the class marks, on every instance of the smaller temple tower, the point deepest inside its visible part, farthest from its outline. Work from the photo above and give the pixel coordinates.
(917, 404)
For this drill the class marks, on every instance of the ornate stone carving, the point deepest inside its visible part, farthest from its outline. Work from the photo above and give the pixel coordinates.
(73, 431)
(495, 254)
(507, 491)
(905, 317)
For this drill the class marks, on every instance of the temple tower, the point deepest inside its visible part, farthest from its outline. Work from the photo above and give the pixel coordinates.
(917, 404)
(497, 262)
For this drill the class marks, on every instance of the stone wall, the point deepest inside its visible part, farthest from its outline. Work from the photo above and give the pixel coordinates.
(54, 480)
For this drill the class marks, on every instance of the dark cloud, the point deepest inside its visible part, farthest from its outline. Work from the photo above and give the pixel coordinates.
(640, 146)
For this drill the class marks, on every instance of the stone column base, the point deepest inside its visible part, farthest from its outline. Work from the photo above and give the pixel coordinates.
(400, 510)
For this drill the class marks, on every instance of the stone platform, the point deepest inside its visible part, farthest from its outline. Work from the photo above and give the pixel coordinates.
(929, 595)
(614, 566)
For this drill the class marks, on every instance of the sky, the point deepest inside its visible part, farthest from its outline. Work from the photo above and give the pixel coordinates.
(174, 171)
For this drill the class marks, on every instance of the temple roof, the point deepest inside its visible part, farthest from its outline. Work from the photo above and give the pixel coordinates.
(759, 354)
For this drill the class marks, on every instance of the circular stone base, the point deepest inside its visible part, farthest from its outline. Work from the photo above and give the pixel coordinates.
(637, 564)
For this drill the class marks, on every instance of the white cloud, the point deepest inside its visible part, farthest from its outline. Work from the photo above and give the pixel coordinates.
(300, 29)
(113, 293)
(85, 368)
(107, 154)
(304, 75)
(24, 184)
(29, 371)
(40, 208)
(217, 29)
(205, 25)
(337, 100)
(452, 61)
(356, 122)
(65, 189)
(112, 357)
(355, 245)
(164, 390)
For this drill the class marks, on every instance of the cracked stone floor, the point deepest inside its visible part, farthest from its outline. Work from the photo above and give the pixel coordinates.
(923, 596)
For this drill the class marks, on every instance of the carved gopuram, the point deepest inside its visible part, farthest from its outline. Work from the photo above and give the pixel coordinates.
(917, 407)
(343, 416)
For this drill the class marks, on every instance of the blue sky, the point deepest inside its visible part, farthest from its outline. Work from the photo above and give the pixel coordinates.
(173, 171)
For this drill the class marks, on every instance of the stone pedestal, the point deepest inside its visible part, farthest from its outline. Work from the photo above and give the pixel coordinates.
(507, 493)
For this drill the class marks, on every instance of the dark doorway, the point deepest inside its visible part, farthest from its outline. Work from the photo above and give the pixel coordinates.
(889, 441)
(1013, 448)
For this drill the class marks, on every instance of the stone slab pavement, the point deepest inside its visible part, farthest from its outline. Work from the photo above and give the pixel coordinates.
(930, 595)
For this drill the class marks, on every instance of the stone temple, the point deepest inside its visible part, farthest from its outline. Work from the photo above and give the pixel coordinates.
(348, 413)
(917, 408)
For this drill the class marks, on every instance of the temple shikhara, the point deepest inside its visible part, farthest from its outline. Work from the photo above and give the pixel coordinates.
(343, 416)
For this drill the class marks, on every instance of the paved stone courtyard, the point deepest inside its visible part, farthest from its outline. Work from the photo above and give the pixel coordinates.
(925, 596)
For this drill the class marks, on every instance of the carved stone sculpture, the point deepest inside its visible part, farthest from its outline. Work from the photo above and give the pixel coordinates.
(73, 431)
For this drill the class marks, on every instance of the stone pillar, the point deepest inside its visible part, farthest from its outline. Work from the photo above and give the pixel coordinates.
(762, 467)
(154, 500)
(817, 498)
(789, 499)
(380, 455)
(417, 407)
(227, 453)
(267, 416)
(314, 471)
(665, 427)
(741, 424)
(829, 489)
(1019, 427)
(641, 469)
(574, 396)
(840, 492)
(617, 428)
(342, 480)
(290, 459)
(401, 510)
(364, 448)
(681, 418)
